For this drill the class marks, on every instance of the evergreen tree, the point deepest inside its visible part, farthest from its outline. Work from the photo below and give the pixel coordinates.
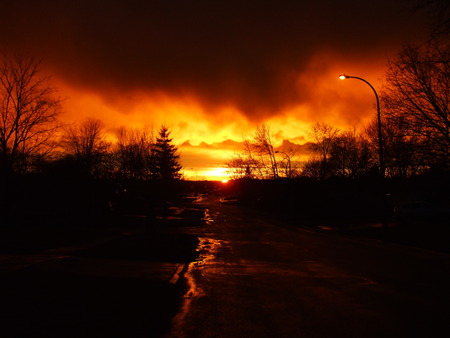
(165, 157)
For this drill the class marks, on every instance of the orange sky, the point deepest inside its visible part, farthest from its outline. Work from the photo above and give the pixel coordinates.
(213, 70)
(202, 134)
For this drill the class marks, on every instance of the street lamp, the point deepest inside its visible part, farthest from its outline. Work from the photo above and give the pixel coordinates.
(380, 136)
(380, 145)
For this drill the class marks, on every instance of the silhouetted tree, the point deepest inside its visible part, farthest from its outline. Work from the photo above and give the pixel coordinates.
(323, 137)
(260, 159)
(404, 156)
(350, 155)
(288, 164)
(86, 144)
(254, 166)
(28, 113)
(240, 167)
(134, 153)
(312, 168)
(263, 144)
(165, 156)
(418, 94)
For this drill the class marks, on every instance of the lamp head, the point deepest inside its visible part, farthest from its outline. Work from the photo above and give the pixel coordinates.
(343, 76)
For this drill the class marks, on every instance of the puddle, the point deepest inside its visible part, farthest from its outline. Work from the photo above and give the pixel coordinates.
(207, 251)
(208, 217)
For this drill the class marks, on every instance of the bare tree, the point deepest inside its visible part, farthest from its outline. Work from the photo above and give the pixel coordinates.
(28, 113)
(246, 164)
(405, 153)
(86, 143)
(418, 94)
(288, 164)
(263, 144)
(134, 150)
(239, 167)
(255, 167)
(323, 137)
(351, 155)
(312, 168)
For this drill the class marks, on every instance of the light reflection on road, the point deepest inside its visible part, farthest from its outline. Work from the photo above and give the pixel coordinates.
(207, 249)
(265, 278)
(208, 218)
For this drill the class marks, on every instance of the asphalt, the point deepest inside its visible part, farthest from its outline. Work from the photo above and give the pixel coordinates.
(258, 277)
(120, 281)
(120, 278)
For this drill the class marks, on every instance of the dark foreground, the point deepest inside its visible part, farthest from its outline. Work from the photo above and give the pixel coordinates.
(260, 277)
(92, 281)
(226, 272)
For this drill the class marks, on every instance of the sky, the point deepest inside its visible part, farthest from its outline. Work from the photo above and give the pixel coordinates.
(213, 70)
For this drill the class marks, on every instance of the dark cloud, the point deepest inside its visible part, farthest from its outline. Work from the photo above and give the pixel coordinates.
(245, 53)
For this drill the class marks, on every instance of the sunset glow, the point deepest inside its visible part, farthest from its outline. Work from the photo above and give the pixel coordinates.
(210, 83)
(238, 168)
(207, 136)
(211, 174)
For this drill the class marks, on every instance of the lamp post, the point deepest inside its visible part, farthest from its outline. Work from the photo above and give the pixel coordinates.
(380, 147)
(380, 136)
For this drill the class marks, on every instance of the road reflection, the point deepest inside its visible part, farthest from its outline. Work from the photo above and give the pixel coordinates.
(208, 218)
(207, 249)
(255, 276)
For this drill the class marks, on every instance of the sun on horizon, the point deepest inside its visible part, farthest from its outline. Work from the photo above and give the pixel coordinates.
(219, 174)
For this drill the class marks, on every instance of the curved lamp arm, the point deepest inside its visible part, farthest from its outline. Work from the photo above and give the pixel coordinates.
(380, 135)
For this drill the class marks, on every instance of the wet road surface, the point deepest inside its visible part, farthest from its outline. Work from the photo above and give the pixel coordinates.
(258, 278)
(101, 283)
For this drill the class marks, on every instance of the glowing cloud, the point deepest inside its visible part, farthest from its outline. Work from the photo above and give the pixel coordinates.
(212, 72)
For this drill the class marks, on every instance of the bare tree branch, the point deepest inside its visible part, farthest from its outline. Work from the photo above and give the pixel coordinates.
(29, 112)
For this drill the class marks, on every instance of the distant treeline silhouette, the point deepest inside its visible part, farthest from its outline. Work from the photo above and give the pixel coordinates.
(53, 173)
(41, 157)
(415, 129)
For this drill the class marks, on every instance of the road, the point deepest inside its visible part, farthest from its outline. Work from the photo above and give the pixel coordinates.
(258, 278)
(81, 282)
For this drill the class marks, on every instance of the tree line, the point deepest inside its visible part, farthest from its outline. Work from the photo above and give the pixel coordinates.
(415, 120)
(32, 139)
(135, 154)
(415, 105)
(51, 172)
